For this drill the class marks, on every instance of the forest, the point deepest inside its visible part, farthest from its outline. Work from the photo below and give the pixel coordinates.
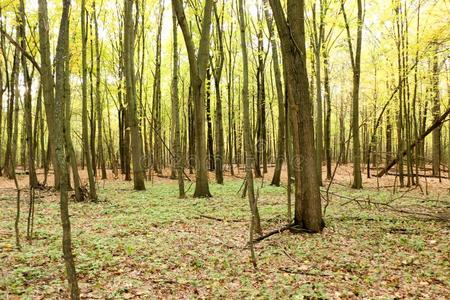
(224, 149)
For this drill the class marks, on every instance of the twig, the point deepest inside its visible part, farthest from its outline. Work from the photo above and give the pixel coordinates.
(221, 220)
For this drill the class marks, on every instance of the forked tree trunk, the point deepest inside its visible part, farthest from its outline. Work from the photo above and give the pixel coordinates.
(198, 64)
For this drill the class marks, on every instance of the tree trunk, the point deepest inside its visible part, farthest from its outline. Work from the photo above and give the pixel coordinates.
(209, 133)
(62, 54)
(219, 158)
(249, 156)
(98, 100)
(308, 213)
(177, 159)
(325, 54)
(436, 146)
(8, 167)
(128, 56)
(356, 67)
(84, 112)
(280, 99)
(156, 109)
(33, 181)
(198, 65)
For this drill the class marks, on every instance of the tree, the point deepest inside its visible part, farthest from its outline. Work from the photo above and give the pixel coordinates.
(130, 81)
(248, 147)
(217, 74)
(84, 113)
(27, 100)
(436, 135)
(318, 39)
(177, 159)
(355, 59)
(280, 98)
(61, 93)
(198, 64)
(156, 109)
(308, 213)
(98, 98)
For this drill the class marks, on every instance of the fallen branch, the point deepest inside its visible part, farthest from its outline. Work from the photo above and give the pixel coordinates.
(369, 202)
(430, 129)
(294, 228)
(220, 219)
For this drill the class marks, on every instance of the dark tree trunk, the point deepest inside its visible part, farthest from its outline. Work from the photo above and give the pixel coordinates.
(128, 61)
(308, 213)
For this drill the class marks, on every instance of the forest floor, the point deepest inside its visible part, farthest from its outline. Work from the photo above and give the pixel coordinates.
(141, 245)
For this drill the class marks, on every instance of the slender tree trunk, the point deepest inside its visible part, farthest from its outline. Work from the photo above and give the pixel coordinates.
(219, 136)
(436, 136)
(99, 104)
(249, 156)
(128, 56)
(177, 159)
(317, 46)
(8, 167)
(210, 142)
(33, 181)
(325, 54)
(92, 122)
(342, 147)
(356, 67)
(84, 112)
(280, 99)
(62, 53)
(156, 110)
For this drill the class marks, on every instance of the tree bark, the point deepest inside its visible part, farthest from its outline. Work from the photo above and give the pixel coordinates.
(280, 99)
(62, 53)
(197, 66)
(130, 81)
(308, 213)
(436, 136)
(356, 67)
(84, 112)
(217, 73)
(177, 159)
(98, 99)
(33, 181)
(248, 147)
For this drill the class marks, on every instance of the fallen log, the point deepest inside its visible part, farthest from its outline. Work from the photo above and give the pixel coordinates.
(430, 129)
